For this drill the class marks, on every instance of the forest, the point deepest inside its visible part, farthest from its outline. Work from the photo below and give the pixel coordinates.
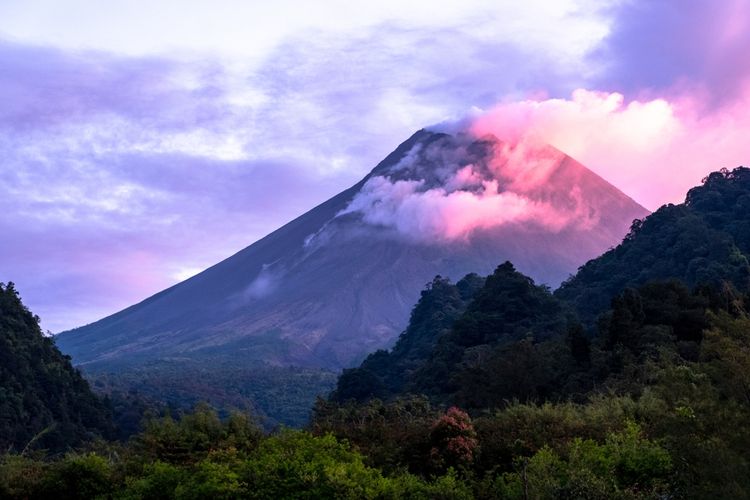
(632, 380)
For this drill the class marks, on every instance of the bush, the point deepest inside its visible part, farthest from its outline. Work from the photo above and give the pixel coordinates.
(79, 476)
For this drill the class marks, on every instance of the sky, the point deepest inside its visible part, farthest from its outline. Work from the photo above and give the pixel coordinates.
(143, 141)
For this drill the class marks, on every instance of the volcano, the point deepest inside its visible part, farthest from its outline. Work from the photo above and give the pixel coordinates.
(339, 281)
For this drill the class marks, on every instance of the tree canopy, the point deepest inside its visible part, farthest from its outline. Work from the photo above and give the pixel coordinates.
(44, 402)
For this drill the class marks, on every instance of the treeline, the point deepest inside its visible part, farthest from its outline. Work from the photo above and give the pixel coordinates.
(705, 240)
(276, 395)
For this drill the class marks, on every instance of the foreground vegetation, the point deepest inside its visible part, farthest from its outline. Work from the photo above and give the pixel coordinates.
(684, 435)
(199, 456)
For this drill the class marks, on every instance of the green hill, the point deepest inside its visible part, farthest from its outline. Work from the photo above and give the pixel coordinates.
(705, 240)
(44, 401)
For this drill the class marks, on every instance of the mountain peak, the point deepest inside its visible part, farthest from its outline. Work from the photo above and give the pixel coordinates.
(447, 187)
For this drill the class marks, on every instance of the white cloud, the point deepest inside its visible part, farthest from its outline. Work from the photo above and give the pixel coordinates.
(241, 29)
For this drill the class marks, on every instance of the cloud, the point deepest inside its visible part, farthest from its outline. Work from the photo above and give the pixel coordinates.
(85, 241)
(339, 93)
(247, 30)
(263, 285)
(44, 87)
(654, 150)
(670, 45)
(459, 185)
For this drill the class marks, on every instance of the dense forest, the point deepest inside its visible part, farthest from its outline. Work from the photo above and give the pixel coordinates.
(630, 381)
(44, 401)
(648, 344)
(705, 240)
(275, 395)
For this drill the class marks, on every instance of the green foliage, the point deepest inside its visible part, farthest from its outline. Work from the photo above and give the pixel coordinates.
(706, 240)
(21, 476)
(625, 466)
(44, 401)
(726, 353)
(297, 465)
(277, 395)
(78, 476)
(157, 481)
(210, 479)
(195, 435)
(201, 456)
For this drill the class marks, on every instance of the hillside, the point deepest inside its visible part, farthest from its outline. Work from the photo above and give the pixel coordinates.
(44, 401)
(385, 373)
(705, 240)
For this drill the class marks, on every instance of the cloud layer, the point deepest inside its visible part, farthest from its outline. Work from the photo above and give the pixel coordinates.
(677, 45)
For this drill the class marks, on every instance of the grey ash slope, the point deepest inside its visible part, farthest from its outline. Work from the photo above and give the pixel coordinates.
(328, 288)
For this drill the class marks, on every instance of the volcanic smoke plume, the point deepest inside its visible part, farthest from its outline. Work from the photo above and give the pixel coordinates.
(444, 193)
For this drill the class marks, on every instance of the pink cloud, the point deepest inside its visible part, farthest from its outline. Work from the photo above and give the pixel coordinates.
(511, 184)
(654, 150)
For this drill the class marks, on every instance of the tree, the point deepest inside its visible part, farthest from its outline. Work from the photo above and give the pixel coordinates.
(453, 440)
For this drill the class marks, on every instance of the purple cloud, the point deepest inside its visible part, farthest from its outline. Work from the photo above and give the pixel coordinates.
(81, 250)
(46, 87)
(657, 46)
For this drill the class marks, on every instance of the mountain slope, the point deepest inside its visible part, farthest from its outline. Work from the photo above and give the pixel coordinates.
(44, 401)
(339, 281)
